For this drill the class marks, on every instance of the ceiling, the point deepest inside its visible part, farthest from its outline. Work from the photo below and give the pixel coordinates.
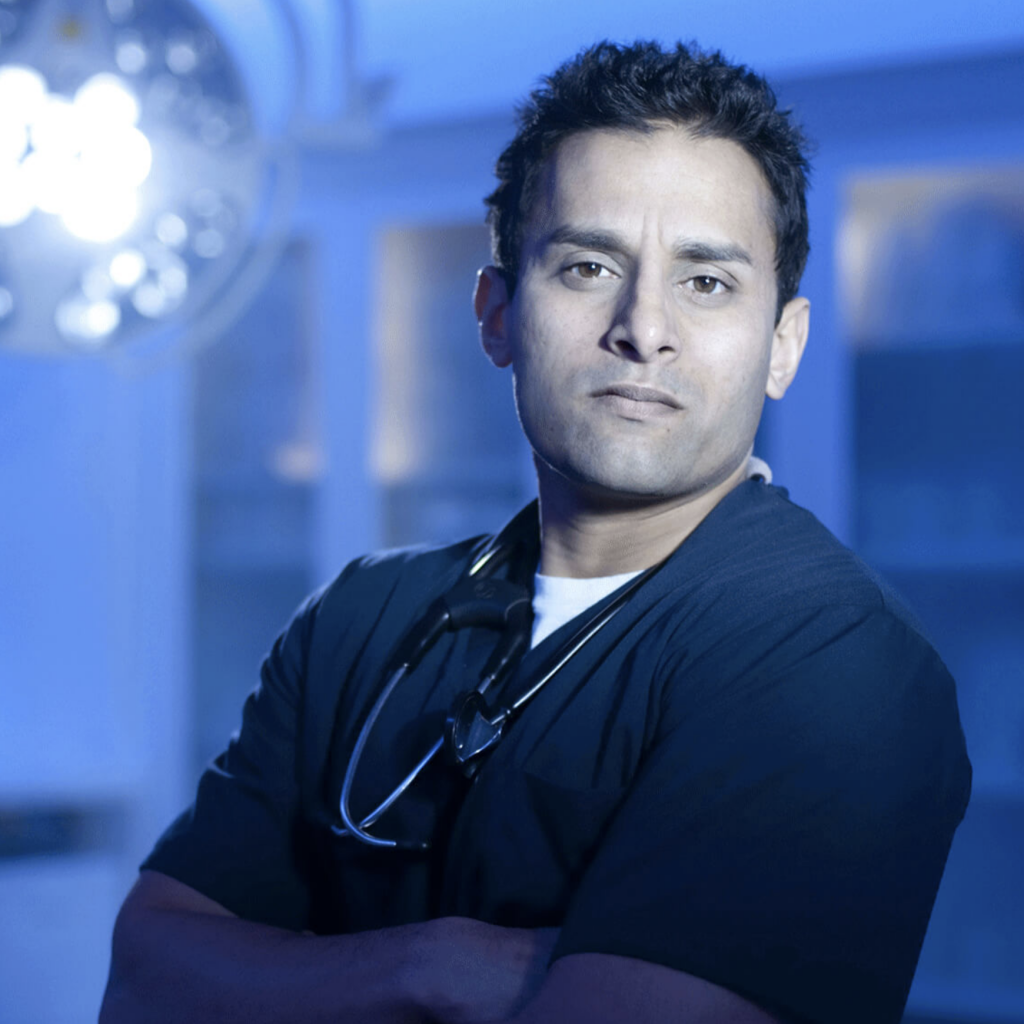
(455, 57)
(452, 59)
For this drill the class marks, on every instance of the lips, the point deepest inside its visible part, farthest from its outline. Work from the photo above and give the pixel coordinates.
(640, 393)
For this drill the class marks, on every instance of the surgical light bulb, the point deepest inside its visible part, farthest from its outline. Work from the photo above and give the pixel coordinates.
(98, 213)
(13, 137)
(117, 153)
(127, 268)
(51, 178)
(17, 196)
(22, 92)
(56, 129)
(105, 100)
(83, 321)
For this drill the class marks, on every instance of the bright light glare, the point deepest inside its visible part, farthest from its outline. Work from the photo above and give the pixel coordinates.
(104, 101)
(84, 321)
(118, 154)
(127, 268)
(13, 137)
(157, 296)
(51, 178)
(6, 303)
(102, 317)
(22, 92)
(17, 197)
(100, 212)
(87, 155)
(57, 129)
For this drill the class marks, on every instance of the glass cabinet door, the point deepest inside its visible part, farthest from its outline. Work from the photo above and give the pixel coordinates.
(932, 273)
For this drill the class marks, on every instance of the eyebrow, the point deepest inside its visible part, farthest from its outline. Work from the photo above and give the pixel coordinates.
(697, 251)
(693, 250)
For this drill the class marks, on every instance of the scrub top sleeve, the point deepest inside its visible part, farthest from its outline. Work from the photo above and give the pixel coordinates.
(237, 843)
(786, 832)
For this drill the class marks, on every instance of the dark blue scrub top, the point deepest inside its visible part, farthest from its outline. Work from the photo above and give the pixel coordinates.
(753, 774)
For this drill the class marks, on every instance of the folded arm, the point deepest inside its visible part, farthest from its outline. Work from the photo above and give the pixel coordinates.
(178, 955)
(594, 988)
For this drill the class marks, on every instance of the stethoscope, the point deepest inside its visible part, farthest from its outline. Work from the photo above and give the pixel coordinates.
(473, 726)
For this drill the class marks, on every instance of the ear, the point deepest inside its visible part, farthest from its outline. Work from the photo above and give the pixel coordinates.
(788, 341)
(490, 301)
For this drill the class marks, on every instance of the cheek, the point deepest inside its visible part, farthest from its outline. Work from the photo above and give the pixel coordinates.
(734, 373)
(543, 355)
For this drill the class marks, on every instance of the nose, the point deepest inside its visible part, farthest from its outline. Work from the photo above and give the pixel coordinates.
(645, 328)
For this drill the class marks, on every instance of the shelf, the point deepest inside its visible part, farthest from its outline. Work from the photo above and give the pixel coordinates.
(996, 791)
(1006, 556)
(952, 343)
(957, 1001)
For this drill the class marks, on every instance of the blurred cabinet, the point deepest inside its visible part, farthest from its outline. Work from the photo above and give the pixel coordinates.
(258, 457)
(447, 451)
(933, 279)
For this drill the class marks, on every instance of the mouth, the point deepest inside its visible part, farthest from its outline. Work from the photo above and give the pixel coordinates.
(639, 393)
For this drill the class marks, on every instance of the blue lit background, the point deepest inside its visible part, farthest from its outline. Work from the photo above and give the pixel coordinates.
(162, 513)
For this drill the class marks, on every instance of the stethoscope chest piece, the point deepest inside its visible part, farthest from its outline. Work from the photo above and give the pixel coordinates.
(471, 729)
(473, 726)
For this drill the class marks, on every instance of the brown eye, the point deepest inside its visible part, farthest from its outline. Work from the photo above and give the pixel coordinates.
(589, 269)
(705, 284)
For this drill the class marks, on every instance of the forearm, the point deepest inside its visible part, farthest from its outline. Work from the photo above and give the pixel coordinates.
(174, 965)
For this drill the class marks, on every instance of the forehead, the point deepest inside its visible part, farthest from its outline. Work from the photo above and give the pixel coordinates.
(666, 182)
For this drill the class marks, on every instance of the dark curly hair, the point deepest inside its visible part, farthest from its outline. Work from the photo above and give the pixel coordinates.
(635, 88)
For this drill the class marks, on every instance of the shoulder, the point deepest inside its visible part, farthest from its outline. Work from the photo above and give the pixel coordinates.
(760, 559)
(399, 580)
(779, 622)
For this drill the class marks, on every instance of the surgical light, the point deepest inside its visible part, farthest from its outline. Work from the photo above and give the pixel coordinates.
(80, 159)
(134, 190)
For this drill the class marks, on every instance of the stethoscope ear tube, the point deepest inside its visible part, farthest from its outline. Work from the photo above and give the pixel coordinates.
(358, 829)
(421, 637)
(474, 601)
(473, 726)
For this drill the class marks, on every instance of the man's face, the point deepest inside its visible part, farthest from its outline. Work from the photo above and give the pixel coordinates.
(641, 333)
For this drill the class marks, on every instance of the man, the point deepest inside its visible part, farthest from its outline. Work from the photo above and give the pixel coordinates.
(732, 801)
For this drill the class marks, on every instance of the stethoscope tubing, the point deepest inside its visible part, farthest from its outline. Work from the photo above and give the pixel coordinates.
(580, 638)
(358, 829)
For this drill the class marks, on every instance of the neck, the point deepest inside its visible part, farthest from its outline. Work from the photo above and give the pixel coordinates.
(585, 535)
